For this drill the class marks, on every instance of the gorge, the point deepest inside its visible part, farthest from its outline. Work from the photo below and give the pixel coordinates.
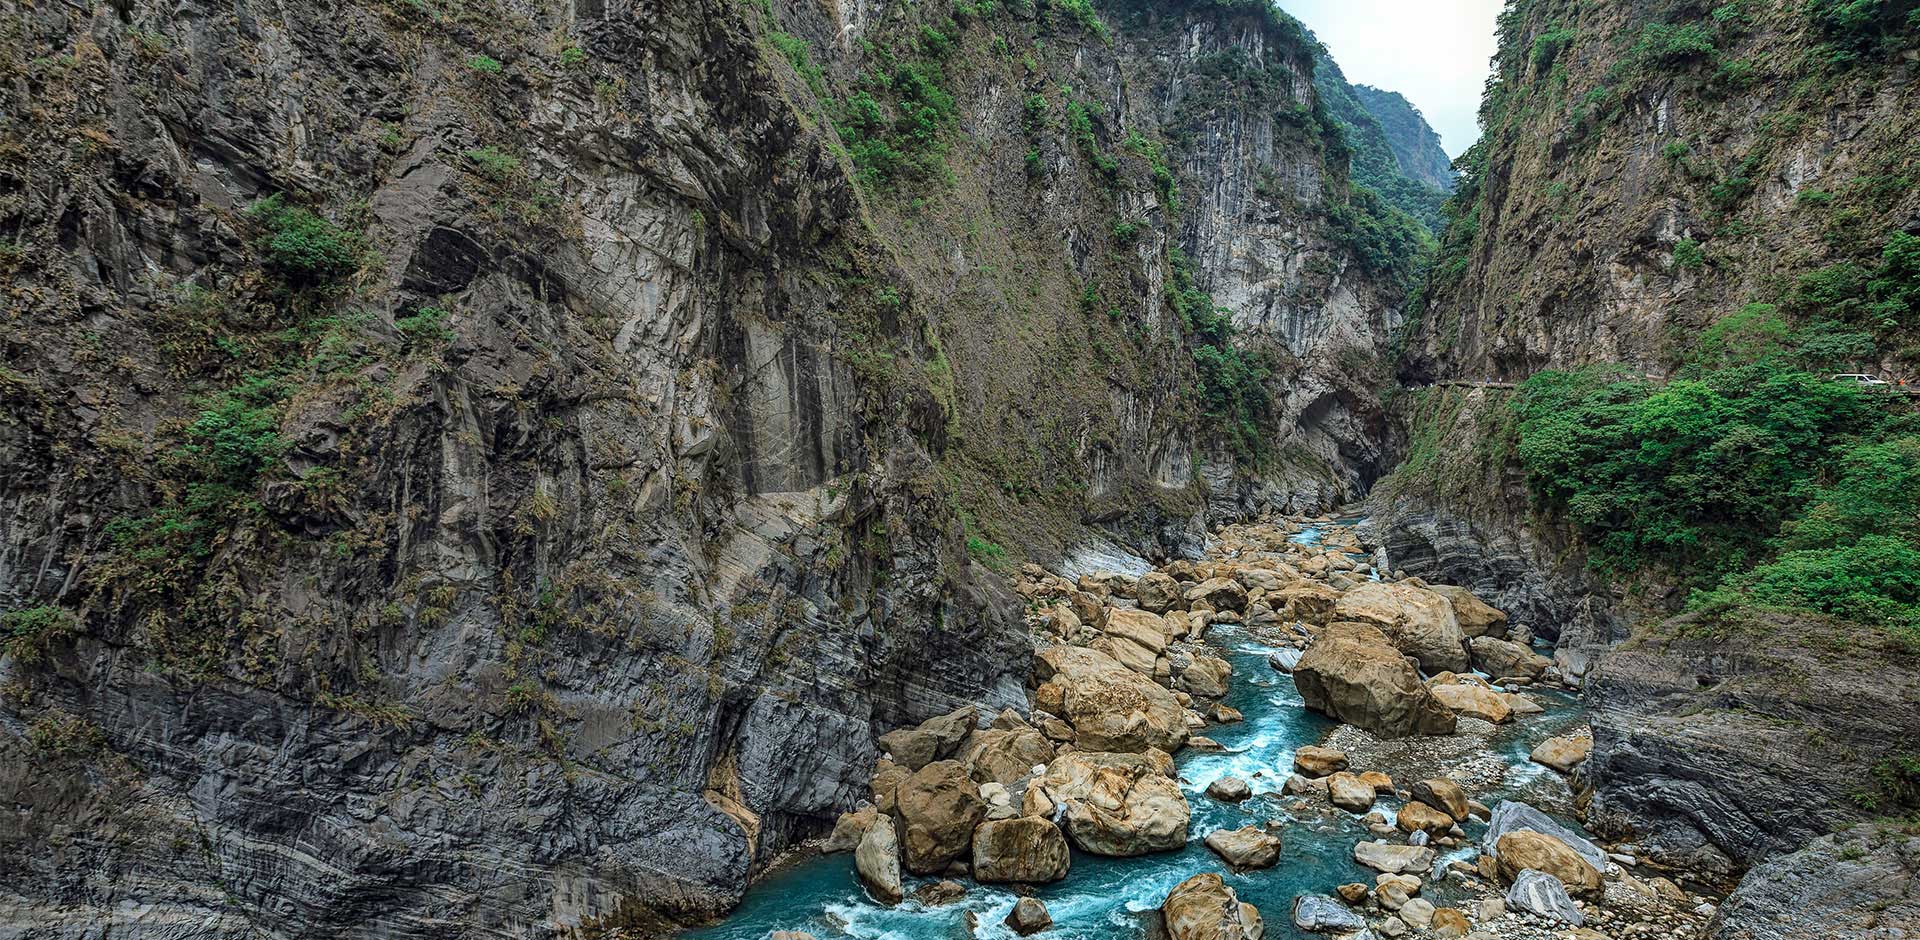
(515, 468)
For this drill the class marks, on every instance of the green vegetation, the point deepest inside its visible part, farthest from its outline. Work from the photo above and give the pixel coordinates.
(1386, 241)
(29, 634)
(1688, 255)
(1856, 28)
(1549, 44)
(237, 435)
(301, 246)
(424, 330)
(799, 54)
(1081, 12)
(1882, 295)
(892, 126)
(484, 63)
(1669, 44)
(1233, 390)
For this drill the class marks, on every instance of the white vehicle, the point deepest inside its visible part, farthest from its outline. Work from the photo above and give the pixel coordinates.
(1861, 379)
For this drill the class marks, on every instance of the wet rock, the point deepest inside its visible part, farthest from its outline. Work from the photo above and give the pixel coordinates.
(1502, 658)
(1393, 859)
(1542, 895)
(1351, 673)
(1380, 782)
(1315, 761)
(940, 893)
(1393, 891)
(1522, 849)
(1245, 848)
(1204, 908)
(1110, 707)
(1473, 701)
(1028, 849)
(1297, 785)
(1317, 913)
(1352, 892)
(1119, 804)
(1349, 792)
(1229, 789)
(1029, 916)
(850, 829)
(1562, 753)
(1510, 816)
(1444, 795)
(935, 739)
(1222, 714)
(938, 808)
(1419, 623)
(877, 861)
(1420, 817)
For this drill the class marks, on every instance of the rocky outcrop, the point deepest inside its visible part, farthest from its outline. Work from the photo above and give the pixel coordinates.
(1420, 623)
(1119, 804)
(1027, 849)
(1351, 672)
(1864, 883)
(939, 806)
(1204, 908)
(1111, 707)
(1245, 848)
(877, 861)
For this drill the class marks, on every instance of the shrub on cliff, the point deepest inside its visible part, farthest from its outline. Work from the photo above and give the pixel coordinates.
(302, 246)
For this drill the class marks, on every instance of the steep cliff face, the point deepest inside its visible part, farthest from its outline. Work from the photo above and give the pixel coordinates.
(1415, 145)
(494, 467)
(1667, 185)
(1377, 159)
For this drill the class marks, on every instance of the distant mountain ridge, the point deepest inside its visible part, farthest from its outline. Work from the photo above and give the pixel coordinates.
(1377, 161)
(1416, 147)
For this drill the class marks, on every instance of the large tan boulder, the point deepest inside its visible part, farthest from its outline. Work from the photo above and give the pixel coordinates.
(1313, 760)
(1142, 627)
(877, 861)
(1204, 908)
(850, 829)
(1562, 753)
(1349, 792)
(1127, 653)
(1304, 601)
(1444, 795)
(1502, 659)
(1474, 701)
(886, 781)
(1206, 676)
(1119, 804)
(934, 739)
(1393, 859)
(938, 807)
(1111, 707)
(1522, 849)
(1420, 623)
(1157, 593)
(1218, 594)
(1246, 848)
(1351, 672)
(1475, 616)
(1026, 849)
(1005, 756)
(1418, 817)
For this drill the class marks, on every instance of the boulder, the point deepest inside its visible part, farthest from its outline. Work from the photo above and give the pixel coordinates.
(1127, 653)
(1142, 627)
(1473, 614)
(1501, 658)
(1380, 782)
(1444, 795)
(1297, 785)
(1206, 676)
(1304, 601)
(1317, 913)
(877, 861)
(1353, 892)
(1005, 757)
(1417, 912)
(1110, 707)
(1543, 895)
(1027, 849)
(1562, 753)
(1510, 816)
(1349, 792)
(1229, 790)
(1315, 761)
(1474, 701)
(1523, 849)
(935, 739)
(1394, 891)
(1393, 859)
(939, 893)
(1029, 916)
(1204, 908)
(1245, 848)
(1419, 817)
(1218, 594)
(849, 830)
(1119, 804)
(1157, 593)
(1351, 672)
(938, 807)
(1419, 623)
(1450, 923)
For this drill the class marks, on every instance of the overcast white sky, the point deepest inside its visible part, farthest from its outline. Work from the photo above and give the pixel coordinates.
(1435, 52)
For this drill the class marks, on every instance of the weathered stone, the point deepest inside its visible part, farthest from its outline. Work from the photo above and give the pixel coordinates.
(1110, 707)
(1305, 601)
(1476, 618)
(1393, 859)
(1510, 816)
(1444, 795)
(1218, 594)
(877, 861)
(1380, 782)
(938, 807)
(1204, 908)
(1142, 627)
(935, 738)
(1317, 913)
(1349, 792)
(1245, 848)
(1127, 653)
(1502, 658)
(1562, 753)
(1315, 761)
(850, 829)
(1524, 849)
(1474, 701)
(1005, 757)
(1229, 789)
(1351, 673)
(1353, 892)
(939, 893)
(1024, 849)
(1119, 804)
(1419, 817)
(1206, 676)
(1419, 623)
(1029, 916)
(1157, 593)
(1543, 895)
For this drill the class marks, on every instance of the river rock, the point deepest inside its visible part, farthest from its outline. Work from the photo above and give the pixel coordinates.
(1142, 627)
(1349, 792)
(1245, 848)
(935, 738)
(1419, 817)
(1393, 891)
(877, 861)
(849, 829)
(1315, 761)
(1419, 623)
(1229, 789)
(1353, 892)
(939, 893)
(1502, 658)
(1157, 593)
(1029, 916)
(1450, 923)
(1317, 913)
(1511, 815)
(1417, 912)
(1305, 601)
(1473, 701)
(938, 807)
(1005, 757)
(1541, 894)
(1204, 908)
(1475, 617)
(1352, 673)
(1523, 849)
(1393, 859)
(1110, 707)
(1562, 753)
(1119, 804)
(1444, 795)
(1027, 849)
(1218, 594)
(1206, 676)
